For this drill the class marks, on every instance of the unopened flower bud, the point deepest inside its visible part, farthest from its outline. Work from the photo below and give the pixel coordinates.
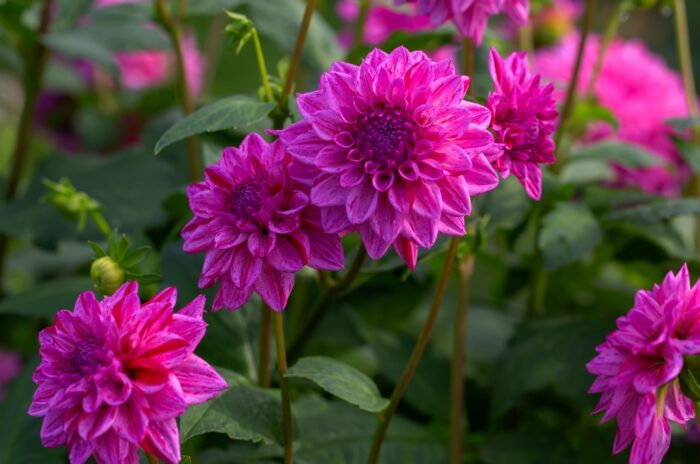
(107, 275)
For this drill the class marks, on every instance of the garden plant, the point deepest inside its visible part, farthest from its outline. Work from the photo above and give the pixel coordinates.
(349, 231)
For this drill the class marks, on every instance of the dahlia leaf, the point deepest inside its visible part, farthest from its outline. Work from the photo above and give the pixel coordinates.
(568, 234)
(243, 412)
(43, 299)
(683, 124)
(341, 380)
(615, 152)
(230, 113)
(655, 212)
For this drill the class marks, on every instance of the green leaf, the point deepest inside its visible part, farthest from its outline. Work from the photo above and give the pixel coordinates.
(76, 46)
(656, 212)
(47, 298)
(587, 111)
(507, 206)
(341, 380)
(135, 257)
(690, 152)
(569, 232)
(683, 124)
(230, 113)
(547, 353)
(615, 152)
(242, 412)
(19, 442)
(337, 433)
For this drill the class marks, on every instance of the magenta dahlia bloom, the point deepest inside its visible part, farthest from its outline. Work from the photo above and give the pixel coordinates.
(10, 367)
(393, 151)
(639, 364)
(640, 112)
(471, 16)
(523, 116)
(256, 226)
(115, 374)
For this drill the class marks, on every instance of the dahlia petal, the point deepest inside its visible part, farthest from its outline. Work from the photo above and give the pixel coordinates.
(194, 309)
(374, 244)
(407, 250)
(114, 389)
(326, 252)
(478, 114)
(42, 398)
(167, 349)
(448, 90)
(80, 451)
(654, 438)
(310, 103)
(216, 263)
(386, 221)
(167, 403)
(334, 219)
(261, 243)
(481, 178)
(454, 193)
(163, 440)
(245, 267)
(96, 424)
(350, 178)
(110, 448)
(399, 197)
(332, 158)
(305, 147)
(231, 297)
(291, 252)
(274, 287)
(130, 422)
(427, 200)
(421, 230)
(361, 202)
(196, 236)
(452, 225)
(198, 380)
(531, 178)
(189, 329)
(326, 191)
(327, 124)
(52, 432)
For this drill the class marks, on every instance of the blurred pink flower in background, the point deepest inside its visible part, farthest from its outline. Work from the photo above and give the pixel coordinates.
(393, 151)
(638, 365)
(523, 116)
(115, 374)
(383, 21)
(10, 366)
(470, 16)
(144, 69)
(641, 91)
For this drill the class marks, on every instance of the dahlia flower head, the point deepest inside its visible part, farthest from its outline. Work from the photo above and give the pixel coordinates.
(10, 367)
(523, 116)
(392, 150)
(639, 364)
(634, 102)
(115, 374)
(256, 226)
(470, 17)
(383, 21)
(144, 69)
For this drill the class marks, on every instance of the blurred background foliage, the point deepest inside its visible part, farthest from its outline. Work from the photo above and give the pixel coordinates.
(526, 382)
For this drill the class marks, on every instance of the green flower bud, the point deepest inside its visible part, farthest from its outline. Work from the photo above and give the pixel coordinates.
(107, 275)
(239, 30)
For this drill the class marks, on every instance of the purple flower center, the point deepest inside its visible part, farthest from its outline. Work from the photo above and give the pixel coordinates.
(247, 199)
(86, 357)
(383, 140)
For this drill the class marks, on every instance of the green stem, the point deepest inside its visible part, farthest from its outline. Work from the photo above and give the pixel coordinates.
(173, 30)
(468, 59)
(696, 407)
(151, 459)
(526, 41)
(610, 33)
(284, 388)
(384, 418)
(261, 66)
(264, 354)
(322, 308)
(538, 277)
(35, 59)
(101, 223)
(357, 39)
(573, 83)
(282, 111)
(457, 418)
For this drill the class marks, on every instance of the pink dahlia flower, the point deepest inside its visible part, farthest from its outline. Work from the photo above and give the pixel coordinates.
(634, 102)
(115, 374)
(10, 366)
(639, 364)
(393, 151)
(151, 68)
(256, 226)
(523, 116)
(471, 16)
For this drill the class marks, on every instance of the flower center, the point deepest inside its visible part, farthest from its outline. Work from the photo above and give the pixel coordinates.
(86, 357)
(247, 199)
(384, 139)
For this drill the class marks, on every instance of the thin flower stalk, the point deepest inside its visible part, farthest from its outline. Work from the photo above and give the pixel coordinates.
(384, 417)
(284, 387)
